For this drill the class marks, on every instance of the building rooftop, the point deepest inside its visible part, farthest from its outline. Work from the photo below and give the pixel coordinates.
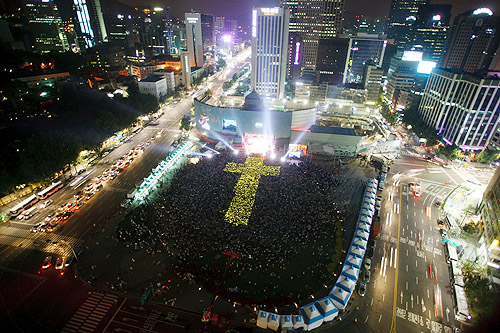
(152, 78)
(332, 130)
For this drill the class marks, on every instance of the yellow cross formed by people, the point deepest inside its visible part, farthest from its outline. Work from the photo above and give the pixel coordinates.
(240, 208)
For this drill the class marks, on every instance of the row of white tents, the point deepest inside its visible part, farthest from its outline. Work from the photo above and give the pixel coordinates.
(327, 308)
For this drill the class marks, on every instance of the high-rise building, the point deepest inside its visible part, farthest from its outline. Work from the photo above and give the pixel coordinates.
(90, 28)
(489, 213)
(431, 29)
(269, 50)
(402, 72)
(119, 29)
(331, 62)
(463, 108)
(402, 16)
(186, 69)
(369, 25)
(155, 29)
(363, 49)
(46, 26)
(473, 40)
(313, 20)
(194, 39)
(372, 81)
(207, 33)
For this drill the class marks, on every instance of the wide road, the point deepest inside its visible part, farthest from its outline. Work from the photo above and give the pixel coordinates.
(31, 298)
(410, 289)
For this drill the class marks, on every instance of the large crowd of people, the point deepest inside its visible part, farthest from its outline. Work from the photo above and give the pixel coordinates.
(280, 255)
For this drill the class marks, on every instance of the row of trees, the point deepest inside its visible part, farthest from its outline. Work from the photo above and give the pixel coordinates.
(483, 300)
(38, 148)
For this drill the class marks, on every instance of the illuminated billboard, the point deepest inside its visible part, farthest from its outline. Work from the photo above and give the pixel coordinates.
(425, 67)
(412, 56)
(229, 125)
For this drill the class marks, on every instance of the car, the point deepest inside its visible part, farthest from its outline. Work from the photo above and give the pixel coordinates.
(417, 194)
(30, 215)
(440, 222)
(362, 289)
(126, 203)
(90, 195)
(368, 264)
(81, 171)
(79, 205)
(370, 252)
(35, 227)
(113, 176)
(99, 187)
(78, 194)
(47, 262)
(367, 276)
(67, 215)
(443, 232)
(69, 261)
(59, 263)
(46, 203)
(437, 203)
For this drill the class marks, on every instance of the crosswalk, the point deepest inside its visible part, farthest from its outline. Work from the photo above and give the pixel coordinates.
(45, 242)
(90, 313)
(409, 153)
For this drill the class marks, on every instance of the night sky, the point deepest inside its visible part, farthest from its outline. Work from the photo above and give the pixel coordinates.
(240, 9)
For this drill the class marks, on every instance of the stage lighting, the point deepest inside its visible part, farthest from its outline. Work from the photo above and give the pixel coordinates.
(236, 152)
(283, 159)
(273, 156)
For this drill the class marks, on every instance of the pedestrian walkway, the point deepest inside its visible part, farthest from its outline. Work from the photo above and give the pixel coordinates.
(91, 313)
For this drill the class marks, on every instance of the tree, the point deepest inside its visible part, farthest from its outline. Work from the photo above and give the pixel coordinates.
(487, 156)
(451, 152)
(185, 123)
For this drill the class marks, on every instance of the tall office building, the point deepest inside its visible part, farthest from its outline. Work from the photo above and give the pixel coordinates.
(312, 20)
(331, 62)
(194, 39)
(473, 40)
(369, 25)
(155, 29)
(372, 81)
(489, 212)
(463, 108)
(363, 49)
(46, 26)
(208, 32)
(186, 69)
(269, 50)
(402, 16)
(402, 72)
(90, 28)
(431, 29)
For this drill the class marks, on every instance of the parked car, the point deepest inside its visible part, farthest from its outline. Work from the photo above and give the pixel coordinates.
(368, 263)
(362, 289)
(367, 276)
(126, 203)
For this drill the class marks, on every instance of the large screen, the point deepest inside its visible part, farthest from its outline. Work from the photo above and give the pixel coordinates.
(229, 125)
(425, 67)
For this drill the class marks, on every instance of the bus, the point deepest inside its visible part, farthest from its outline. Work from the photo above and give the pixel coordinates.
(24, 205)
(451, 253)
(48, 191)
(460, 304)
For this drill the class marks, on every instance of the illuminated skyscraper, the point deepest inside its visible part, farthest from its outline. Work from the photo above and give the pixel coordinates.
(473, 40)
(431, 29)
(194, 39)
(269, 50)
(155, 29)
(402, 16)
(91, 29)
(46, 26)
(312, 20)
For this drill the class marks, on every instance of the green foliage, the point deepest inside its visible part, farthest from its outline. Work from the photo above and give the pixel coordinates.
(470, 228)
(391, 117)
(221, 64)
(412, 118)
(482, 300)
(185, 123)
(451, 152)
(487, 156)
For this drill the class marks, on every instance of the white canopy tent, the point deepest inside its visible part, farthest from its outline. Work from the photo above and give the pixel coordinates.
(262, 319)
(286, 321)
(340, 297)
(346, 283)
(312, 317)
(327, 309)
(298, 322)
(356, 251)
(351, 272)
(359, 242)
(354, 261)
(362, 233)
(274, 322)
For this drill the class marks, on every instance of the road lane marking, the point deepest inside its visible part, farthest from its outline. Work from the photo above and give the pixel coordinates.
(393, 321)
(416, 277)
(366, 318)
(380, 318)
